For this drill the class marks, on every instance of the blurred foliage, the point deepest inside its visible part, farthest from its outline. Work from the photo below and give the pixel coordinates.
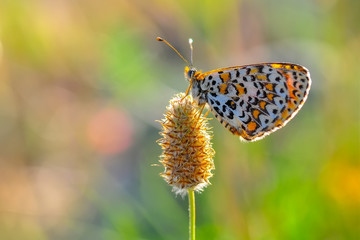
(82, 83)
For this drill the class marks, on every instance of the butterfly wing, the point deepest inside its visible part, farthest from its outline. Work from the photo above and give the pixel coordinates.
(254, 100)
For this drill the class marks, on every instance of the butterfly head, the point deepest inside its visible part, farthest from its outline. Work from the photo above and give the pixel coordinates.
(190, 73)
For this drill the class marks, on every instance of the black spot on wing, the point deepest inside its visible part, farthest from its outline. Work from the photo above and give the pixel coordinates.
(218, 111)
(260, 68)
(231, 104)
(247, 119)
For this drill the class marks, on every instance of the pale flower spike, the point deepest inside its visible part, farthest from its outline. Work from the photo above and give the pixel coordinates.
(187, 152)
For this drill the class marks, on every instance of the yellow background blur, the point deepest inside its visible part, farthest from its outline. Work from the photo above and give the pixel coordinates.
(82, 83)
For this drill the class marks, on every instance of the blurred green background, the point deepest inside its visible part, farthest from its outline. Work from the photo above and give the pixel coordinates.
(82, 83)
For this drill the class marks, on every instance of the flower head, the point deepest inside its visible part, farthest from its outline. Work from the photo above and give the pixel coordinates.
(187, 152)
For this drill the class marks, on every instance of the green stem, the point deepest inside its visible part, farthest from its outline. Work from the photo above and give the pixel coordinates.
(191, 215)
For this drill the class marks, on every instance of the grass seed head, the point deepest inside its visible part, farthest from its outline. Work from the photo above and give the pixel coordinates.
(187, 152)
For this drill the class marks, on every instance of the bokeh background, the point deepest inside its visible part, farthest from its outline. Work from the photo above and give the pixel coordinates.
(82, 84)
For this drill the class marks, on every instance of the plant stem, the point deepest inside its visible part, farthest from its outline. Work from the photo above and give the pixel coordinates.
(191, 214)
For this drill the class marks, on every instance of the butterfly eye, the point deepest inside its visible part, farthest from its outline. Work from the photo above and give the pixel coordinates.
(191, 73)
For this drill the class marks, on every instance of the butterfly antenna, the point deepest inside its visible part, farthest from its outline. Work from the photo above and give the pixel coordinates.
(163, 40)
(191, 51)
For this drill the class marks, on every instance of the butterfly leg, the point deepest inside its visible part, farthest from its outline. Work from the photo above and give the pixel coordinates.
(200, 112)
(206, 112)
(187, 91)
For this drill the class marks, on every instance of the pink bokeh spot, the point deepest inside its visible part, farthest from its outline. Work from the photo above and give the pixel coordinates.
(110, 131)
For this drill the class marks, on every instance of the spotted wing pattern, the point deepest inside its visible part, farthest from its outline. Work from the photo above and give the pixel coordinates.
(254, 100)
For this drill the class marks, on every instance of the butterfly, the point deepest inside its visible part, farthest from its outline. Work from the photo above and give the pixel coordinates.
(251, 101)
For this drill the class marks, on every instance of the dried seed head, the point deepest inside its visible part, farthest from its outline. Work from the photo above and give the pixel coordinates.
(187, 153)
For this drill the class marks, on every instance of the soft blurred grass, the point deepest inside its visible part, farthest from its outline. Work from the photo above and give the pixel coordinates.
(82, 83)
